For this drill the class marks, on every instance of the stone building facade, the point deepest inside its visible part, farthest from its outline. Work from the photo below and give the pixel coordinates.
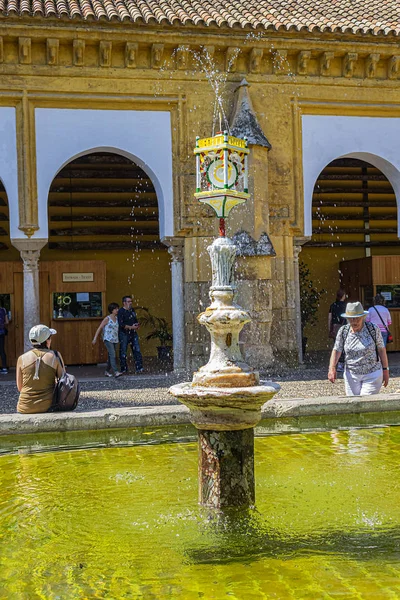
(144, 82)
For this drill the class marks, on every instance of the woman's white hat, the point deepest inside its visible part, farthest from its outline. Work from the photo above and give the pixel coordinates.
(354, 310)
(40, 333)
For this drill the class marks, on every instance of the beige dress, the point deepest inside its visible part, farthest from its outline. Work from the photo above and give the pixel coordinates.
(37, 391)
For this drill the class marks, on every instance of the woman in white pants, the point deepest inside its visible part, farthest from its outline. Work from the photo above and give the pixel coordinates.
(366, 362)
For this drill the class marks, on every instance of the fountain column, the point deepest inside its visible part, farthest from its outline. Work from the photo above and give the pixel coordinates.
(225, 396)
(30, 252)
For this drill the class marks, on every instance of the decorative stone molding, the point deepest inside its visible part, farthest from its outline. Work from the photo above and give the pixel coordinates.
(131, 51)
(1, 50)
(105, 54)
(247, 246)
(393, 67)
(349, 61)
(182, 58)
(256, 55)
(176, 253)
(25, 50)
(280, 62)
(78, 53)
(371, 64)
(325, 63)
(209, 51)
(303, 59)
(157, 52)
(231, 56)
(52, 47)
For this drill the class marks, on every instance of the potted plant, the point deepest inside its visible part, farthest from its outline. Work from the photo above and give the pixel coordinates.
(160, 331)
(309, 301)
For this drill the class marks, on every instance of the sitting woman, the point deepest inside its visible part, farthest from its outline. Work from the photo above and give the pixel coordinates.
(366, 362)
(37, 371)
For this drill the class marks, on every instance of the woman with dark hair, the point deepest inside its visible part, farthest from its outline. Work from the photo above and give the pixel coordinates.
(37, 371)
(335, 319)
(379, 315)
(109, 326)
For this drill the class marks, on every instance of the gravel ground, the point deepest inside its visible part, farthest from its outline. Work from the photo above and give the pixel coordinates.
(153, 390)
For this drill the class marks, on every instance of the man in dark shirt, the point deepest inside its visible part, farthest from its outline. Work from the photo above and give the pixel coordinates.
(128, 326)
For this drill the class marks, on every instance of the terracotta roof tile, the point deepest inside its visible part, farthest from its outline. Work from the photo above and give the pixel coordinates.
(358, 16)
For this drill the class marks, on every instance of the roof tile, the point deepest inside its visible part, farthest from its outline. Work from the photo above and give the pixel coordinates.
(375, 17)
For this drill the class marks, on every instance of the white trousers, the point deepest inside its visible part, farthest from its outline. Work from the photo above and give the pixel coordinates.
(363, 385)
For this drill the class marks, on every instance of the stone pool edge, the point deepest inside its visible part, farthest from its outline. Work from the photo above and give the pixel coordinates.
(275, 411)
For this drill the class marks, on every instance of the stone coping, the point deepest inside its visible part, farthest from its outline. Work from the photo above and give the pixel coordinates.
(117, 418)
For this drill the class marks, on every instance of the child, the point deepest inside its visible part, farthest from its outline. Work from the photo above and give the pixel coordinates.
(109, 326)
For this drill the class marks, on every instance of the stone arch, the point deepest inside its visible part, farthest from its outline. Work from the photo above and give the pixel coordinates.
(142, 136)
(326, 138)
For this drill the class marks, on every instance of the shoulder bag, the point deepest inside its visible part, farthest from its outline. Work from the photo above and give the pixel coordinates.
(390, 337)
(67, 391)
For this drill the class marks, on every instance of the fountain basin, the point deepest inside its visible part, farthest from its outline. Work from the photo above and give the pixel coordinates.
(327, 521)
(224, 409)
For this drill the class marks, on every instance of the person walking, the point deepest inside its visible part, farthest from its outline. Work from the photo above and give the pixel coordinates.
(336, 321)
(366, 362)
(128, 326)
(3, 333)
(37, 371)
(380, 316)
(109, 326)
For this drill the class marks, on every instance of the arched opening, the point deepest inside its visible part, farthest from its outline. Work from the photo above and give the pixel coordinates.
(103, 208)
(354, 216)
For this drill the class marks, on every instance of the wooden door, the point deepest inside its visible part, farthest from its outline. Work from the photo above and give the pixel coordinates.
(15, 337)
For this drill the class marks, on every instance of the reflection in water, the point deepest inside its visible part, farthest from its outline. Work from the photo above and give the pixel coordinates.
(123, 521)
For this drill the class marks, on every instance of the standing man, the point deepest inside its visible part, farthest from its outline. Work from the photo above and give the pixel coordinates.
(128, 326)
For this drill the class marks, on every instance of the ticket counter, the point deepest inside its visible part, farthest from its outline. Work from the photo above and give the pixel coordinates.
(363, 278)
(73, 301)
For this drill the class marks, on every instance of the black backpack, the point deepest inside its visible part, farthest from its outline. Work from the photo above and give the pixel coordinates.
(67, 390)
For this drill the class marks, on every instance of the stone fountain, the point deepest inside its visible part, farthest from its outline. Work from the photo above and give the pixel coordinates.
(225, 396)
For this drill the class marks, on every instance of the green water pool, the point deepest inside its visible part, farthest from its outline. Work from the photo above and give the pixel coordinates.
(117, 521)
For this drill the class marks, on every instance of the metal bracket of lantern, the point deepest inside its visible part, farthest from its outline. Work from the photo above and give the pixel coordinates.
(222, 174)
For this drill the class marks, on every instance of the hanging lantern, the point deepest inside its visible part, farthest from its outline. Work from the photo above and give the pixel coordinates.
(222, 173)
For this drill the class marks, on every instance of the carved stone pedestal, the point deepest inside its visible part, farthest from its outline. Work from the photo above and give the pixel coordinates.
(226, 468)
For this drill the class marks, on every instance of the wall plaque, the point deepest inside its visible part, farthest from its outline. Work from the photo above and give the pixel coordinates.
(77, 277)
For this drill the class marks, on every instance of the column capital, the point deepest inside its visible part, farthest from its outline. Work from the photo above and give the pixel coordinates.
(30, 251)
(175, 248)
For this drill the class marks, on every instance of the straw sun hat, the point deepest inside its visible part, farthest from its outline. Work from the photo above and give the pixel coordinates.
(354, 310)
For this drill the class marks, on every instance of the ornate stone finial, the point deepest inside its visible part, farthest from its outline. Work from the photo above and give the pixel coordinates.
(325, 61)
(393, 67)
(371, 64)
(349, 62)
(78, 52)
(52, 51)
(231, 57)
(244, 123)
(157, 52)
(303, 59)
(256, 55)
(25, 50)
(105, 53)
(131, 49)
(182, 57)
(28, 230)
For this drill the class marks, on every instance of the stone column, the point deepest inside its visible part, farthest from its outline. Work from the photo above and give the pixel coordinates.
(178, 306)
(30, 252)
(296, 252)
(226, 468)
